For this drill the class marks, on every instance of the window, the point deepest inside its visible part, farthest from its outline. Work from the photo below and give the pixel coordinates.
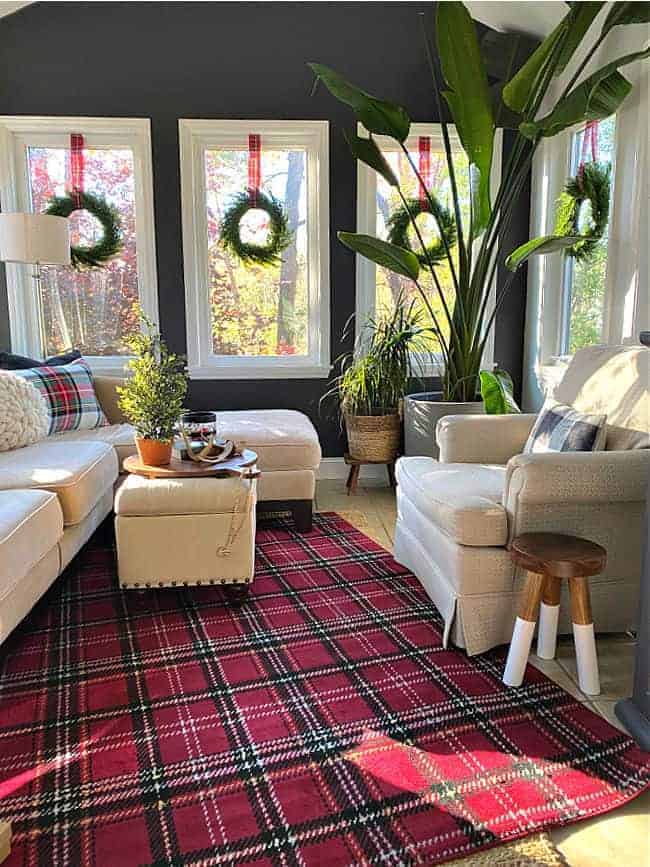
(377, 287)
(584, 282)
(88, 310)
(247, 320)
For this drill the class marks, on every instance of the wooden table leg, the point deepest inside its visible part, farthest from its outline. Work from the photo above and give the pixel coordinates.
(548, 618)
(5, 840)
(522, 635)
(238, 593)
(584, 636)
(353, 478)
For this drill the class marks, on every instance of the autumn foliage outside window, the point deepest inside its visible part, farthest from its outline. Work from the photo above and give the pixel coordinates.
(257, 310)
(89, 310)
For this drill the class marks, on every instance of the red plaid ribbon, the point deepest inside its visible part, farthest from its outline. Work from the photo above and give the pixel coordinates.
(589, 141)
(76, 167)
(424, 153)
(254, 165)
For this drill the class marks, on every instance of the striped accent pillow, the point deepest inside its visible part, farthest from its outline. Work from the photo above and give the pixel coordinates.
(69, 394)
(561, 428)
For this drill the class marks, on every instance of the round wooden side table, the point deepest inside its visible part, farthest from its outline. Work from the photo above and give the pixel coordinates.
(549, 558)
(242, 465)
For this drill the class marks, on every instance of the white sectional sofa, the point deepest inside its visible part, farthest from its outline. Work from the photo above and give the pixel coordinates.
(54, 494)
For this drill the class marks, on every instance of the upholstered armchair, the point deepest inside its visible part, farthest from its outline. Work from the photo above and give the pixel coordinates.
(456, 516)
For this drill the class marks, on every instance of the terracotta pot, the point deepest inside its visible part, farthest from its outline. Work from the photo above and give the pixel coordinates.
(154, 453)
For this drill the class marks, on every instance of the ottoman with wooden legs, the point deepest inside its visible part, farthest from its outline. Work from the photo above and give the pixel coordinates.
(549, 558)
(174, 532)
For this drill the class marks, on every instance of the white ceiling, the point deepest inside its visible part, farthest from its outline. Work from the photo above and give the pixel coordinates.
(536, 18)
(526, 16)
(7, 8)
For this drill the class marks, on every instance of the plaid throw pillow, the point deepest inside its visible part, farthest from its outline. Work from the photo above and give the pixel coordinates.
(560, 428)
(69, 394)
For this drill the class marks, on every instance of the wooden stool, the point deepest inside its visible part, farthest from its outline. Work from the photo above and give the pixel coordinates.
(355, 465)
(548, 558)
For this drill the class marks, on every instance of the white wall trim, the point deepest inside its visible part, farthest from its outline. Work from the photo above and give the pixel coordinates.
(336, 468)
(18, 132)
(195, 136)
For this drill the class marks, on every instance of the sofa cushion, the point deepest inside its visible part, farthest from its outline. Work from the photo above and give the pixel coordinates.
(120, 436)
(464, 500)
(69, 394)
(561, 428)
(612, 381)
(31, 524)
(78, 475)
(283, 439)
(140, 497)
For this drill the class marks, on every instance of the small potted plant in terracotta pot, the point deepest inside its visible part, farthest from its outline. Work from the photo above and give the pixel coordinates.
(152, 396)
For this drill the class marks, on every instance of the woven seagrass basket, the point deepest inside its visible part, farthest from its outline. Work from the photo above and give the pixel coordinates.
(373, 438)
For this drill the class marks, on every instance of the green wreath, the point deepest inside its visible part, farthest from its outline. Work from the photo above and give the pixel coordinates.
(111, 241)
(402, 218)
(592, 185)
(279, 234)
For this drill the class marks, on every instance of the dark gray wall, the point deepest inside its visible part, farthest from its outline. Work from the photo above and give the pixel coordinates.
(228, 60)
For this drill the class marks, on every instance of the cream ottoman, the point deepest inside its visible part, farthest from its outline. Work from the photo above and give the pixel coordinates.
(179, 532)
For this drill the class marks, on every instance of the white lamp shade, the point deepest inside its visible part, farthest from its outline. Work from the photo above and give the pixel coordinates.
(34, 238)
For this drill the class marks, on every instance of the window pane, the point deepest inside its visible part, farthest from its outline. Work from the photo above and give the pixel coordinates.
(389, 285)
(90, 310)
(586, 279)
(256, 310)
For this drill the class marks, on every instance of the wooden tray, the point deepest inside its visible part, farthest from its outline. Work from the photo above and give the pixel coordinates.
(242, 465)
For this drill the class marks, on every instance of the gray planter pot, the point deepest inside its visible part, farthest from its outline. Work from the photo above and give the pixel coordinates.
(421, 415)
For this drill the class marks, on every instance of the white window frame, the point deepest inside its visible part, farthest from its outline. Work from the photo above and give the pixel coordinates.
(196, 136)
(627, 305)
(17, 133)
(366, 271)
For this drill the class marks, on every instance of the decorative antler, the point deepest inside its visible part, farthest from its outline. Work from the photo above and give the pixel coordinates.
(212, 451)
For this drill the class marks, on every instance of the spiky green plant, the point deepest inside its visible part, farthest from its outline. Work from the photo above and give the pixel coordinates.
(462, 328)
(374, 380)
(153, 394)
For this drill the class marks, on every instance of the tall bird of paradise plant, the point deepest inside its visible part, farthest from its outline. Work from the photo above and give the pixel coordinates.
(462, 328)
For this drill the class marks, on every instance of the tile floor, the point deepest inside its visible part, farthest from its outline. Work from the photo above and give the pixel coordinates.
(621, 838)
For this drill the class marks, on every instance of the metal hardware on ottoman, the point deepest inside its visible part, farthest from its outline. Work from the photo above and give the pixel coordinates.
(548, 558)
(174, 532)
(422, 412)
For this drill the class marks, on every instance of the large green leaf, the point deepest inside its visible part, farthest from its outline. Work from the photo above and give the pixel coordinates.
(598, 96)
(626, 13)
(558, 48)
(502, 53)
(539, 247)
(581, 18)
(520, 92)
(366, 150)
(469, 100)
(497, 392)
(378, 116)
(396, 259)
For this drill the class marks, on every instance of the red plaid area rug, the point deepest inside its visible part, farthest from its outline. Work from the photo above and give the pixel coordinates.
(322, 723)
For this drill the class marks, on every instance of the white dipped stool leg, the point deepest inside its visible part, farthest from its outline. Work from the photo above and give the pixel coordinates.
(522, 636)
(586, 658)
(584, 636)
(549, 614)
